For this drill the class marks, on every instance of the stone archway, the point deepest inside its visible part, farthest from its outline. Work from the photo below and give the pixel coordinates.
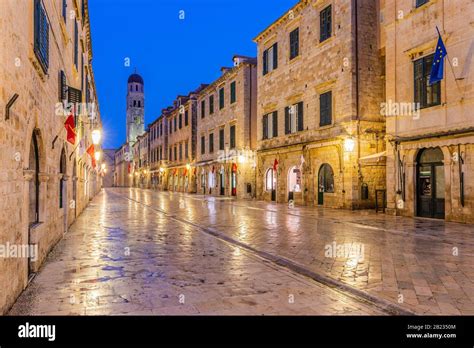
(430, 183)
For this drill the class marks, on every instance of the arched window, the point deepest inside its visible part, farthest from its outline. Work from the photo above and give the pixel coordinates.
(136, 88)
(134, 103)
(294, 179)
(212, 179)
(138, 103)
(62, 170)
(270, 180)
(131, 89)
(431, 155)
(326, 178)
(34, 183)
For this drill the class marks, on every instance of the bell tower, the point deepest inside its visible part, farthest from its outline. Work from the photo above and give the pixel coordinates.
(135, 107)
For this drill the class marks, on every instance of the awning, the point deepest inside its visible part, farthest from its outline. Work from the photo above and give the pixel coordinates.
(374, 158)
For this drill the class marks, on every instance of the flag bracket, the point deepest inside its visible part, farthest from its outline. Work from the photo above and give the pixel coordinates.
(54, 141)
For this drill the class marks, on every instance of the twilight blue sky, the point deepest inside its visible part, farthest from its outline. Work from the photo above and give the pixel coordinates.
(173, 56)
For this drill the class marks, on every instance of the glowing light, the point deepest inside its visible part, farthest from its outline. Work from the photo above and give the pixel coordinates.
(349, 144)
(97, 155)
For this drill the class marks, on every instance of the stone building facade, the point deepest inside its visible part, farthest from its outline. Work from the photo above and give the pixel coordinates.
(158, 152)
(109, 168)
(45, 181)
(227, 132)
(123, 166)
(430, 131)
(320, 132)
(181, 118)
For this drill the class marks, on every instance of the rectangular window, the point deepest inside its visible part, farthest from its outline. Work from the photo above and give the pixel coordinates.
(426, 95)
(186, 151)
(174, 123)
(270, 125)
(211, 104)
(232, 136)
(294, 118)
(294, 43)
(203, 108)
(325, 24)
(170, 155)
(221, 139)
(232, 93)
(64, 10)
(325, 109)
(41, 36)
(180, 120)
(186, 118)
(211, 143)
(221, 98)
(180, 151)
(175, 153)
(76, 43)
(270, 59)
(421, 2)
(203, 145)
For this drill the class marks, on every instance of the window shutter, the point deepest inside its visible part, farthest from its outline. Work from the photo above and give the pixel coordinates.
(275, 123)
(76, 39)
(265, 62)
(300, 116)
(62, 86)
(41, 32)
(275, 55)
(265, 127)
(287, 120)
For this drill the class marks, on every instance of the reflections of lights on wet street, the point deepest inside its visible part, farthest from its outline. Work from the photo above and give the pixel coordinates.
(136, 251)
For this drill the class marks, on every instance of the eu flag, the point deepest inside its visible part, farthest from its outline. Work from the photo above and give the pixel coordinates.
(437, 68)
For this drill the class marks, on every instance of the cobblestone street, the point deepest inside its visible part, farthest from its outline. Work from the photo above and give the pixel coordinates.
(121, 257)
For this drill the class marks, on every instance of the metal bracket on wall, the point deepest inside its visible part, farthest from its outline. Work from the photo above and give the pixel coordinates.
(9, 105)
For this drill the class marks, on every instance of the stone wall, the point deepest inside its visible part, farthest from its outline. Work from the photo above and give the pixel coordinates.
(33, 115)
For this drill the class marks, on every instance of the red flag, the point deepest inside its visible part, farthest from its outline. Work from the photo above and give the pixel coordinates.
(185, 171)
(213, 169)
(275, 164)
(71, 129)
(91, 152)
(234, 167)
(129, 168)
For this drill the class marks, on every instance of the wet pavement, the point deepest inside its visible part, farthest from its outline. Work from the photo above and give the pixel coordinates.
(141, 252)
(422, 265)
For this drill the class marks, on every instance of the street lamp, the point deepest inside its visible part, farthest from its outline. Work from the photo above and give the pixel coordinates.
(349, 144)
(97, 155)
(96, 136)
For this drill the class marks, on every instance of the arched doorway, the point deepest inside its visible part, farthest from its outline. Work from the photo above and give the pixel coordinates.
(430, 191)
(233, 179)
(271, 182)
(74, 187)
(211, 180)
(34, 185)
(325, 182)
(62, 171)
(294, 181)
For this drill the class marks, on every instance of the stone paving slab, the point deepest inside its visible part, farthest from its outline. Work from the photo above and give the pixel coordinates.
(121, 258)
(423, 265)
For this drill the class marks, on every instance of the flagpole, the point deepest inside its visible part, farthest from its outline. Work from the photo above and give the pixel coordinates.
(449, 61)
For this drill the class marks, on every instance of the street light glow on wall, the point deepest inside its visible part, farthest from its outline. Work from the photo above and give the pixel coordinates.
(96, 136)
(349, 144)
